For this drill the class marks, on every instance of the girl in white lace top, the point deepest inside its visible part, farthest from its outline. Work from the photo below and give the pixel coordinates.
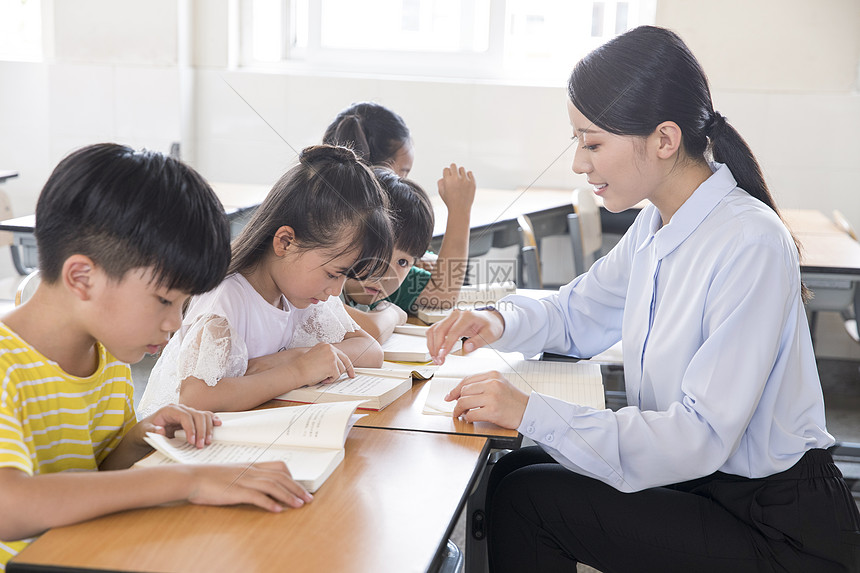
(276, 322)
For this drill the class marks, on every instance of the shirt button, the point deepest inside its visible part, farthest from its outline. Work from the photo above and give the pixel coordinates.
(530, 430)
(549, 438)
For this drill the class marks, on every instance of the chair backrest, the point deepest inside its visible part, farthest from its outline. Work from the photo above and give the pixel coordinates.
(6, 237)
(852, 314)
(27, 287)
(586, 233)
(530, 268)
(843, 224)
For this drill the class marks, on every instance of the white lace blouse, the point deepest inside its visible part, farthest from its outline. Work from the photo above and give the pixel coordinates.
(227, 326)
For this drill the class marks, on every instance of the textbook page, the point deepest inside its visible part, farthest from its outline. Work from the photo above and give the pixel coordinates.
(470, 297)
(579, 383)
(408, 343)
(309, 439)
(418, 371)
(375, 387)
(308, 466)
(309, 426)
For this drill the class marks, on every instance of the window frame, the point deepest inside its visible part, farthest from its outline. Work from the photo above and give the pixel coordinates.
(488, 65)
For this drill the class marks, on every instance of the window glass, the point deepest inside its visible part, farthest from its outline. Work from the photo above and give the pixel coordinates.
(21, 30)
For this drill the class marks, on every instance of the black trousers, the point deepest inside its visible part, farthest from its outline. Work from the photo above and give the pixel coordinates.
(543, 518)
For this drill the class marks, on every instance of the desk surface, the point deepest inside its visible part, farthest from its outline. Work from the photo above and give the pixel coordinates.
(825, 248)
(390, 506)
(405, 413)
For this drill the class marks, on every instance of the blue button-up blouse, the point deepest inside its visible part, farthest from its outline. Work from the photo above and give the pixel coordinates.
(718, 362)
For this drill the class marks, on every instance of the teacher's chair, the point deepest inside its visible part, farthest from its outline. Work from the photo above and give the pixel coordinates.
(586, 232)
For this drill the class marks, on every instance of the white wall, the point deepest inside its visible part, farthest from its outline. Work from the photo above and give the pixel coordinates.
(783, 71)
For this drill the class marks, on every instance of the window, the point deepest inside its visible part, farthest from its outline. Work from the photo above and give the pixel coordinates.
(21, 30)
(535, 40)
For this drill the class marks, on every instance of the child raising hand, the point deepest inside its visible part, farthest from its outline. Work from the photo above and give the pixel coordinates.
(276, 322)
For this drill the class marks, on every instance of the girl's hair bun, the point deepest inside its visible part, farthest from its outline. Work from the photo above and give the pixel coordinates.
(323, 152)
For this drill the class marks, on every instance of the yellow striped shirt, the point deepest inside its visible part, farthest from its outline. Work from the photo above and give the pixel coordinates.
(51, 421)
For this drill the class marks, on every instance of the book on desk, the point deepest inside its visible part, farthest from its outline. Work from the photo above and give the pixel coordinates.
(408, 343)
(470, 297)
(374, 388)
(309, 439)
(579, 383)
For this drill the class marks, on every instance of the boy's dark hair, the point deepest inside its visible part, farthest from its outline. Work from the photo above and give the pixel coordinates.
(127, 209)
(412, 212)
(330, 196)
(372, 130)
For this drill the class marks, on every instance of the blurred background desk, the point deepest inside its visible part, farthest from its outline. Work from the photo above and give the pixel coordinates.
(239, 201)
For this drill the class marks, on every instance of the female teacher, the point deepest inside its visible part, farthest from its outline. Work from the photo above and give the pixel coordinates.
(719, 463)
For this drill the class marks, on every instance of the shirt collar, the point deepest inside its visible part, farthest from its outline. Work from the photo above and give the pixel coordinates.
(694, 210)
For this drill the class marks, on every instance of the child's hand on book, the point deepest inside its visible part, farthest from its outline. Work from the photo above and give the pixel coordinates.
(322, 363)
(267, 485)
(489, 397)
(197, 424)
(479, 328)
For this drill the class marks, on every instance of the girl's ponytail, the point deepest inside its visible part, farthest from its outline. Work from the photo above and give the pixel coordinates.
(348, 132)
(374, 131)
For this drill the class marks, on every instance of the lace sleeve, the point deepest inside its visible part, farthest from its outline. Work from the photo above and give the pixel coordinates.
(324, 322)
(208, 350)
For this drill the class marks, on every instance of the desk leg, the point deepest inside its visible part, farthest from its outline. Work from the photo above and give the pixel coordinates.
(476, 526)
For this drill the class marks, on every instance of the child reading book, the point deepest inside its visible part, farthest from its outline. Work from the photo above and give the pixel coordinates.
(381, 304)
(276, 322)
(124, 237)
(415, 279)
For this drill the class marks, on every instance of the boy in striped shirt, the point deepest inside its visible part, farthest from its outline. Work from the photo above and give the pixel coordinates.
(124, 238)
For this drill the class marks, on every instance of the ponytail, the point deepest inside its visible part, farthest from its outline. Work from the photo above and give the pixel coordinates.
(373, 131)
(348, 132)
(727, 146)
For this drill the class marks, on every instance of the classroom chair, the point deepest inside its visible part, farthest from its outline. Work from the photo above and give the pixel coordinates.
(586, 233)
(27, 287)
(530, 267)
(850, 314)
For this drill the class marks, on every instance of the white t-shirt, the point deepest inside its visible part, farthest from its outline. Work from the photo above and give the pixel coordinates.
(230, 324)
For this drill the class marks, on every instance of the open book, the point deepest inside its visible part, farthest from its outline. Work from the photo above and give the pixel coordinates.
(471, 296)
(408, 343)
(577, 382)
(309, 439)
(375, 388)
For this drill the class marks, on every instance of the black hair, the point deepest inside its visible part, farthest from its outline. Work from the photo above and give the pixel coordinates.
(128, 209)
(648, 75)
(411, 210)
(329, 197)
(372, 130)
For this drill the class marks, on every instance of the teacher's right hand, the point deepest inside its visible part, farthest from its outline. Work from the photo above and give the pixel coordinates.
(479, 327)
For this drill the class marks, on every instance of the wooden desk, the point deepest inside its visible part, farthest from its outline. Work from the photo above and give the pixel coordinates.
(830, 259)
(390, 506)
(405, 414)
